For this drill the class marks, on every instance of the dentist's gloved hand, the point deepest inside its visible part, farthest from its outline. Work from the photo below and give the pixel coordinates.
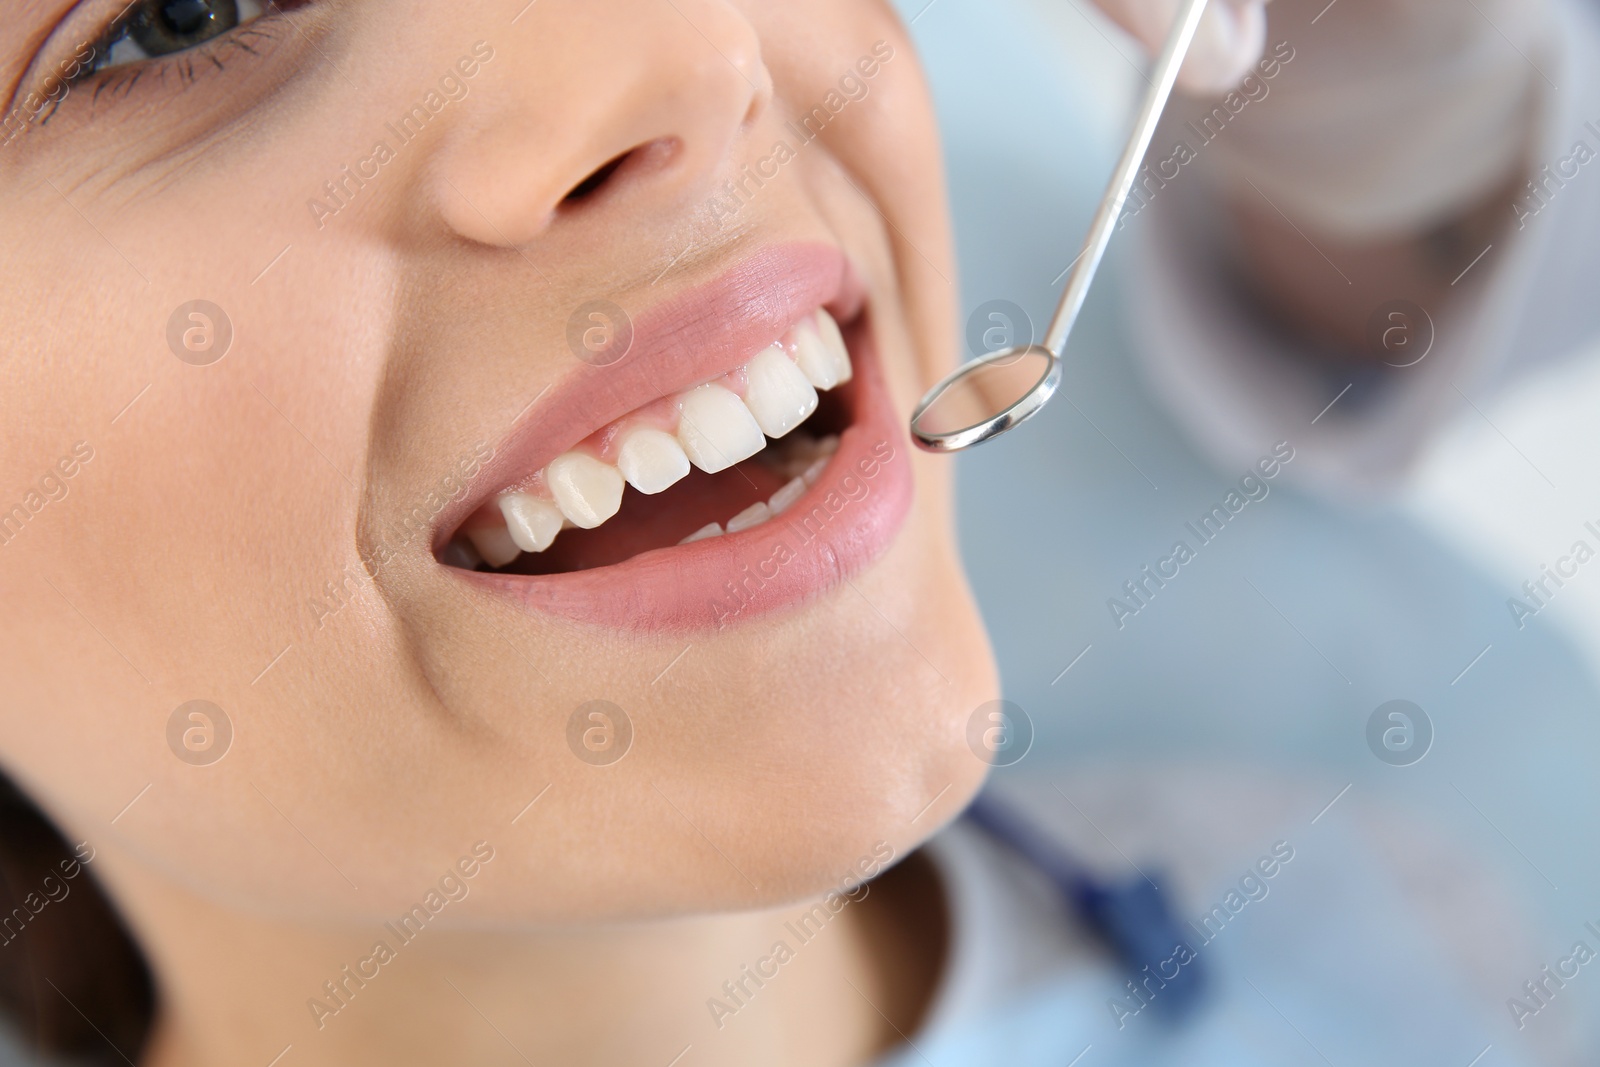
(1226, 44)
(1394, 116)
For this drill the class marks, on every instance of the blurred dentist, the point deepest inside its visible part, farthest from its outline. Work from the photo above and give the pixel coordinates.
(1364, 215)
(1361, 217)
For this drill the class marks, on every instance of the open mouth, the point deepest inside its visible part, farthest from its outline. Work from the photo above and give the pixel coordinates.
(719, 458)
(743, 457)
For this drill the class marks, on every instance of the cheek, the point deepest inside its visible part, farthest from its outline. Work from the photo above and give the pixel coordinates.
(215, 505)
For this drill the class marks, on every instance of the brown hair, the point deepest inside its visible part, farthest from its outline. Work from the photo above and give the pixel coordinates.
(72, 981)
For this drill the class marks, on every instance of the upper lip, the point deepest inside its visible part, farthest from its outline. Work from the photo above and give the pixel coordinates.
(699, 335)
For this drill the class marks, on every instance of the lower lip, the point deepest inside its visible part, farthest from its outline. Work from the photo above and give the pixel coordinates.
(837, 529)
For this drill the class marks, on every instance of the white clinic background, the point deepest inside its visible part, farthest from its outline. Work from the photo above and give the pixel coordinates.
(1269, 652)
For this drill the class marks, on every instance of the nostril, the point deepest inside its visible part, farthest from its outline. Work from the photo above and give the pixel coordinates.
(594, 182)
(643, 159)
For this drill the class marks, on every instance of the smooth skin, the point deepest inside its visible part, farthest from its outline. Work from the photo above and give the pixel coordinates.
(210, 549)
(382, 735)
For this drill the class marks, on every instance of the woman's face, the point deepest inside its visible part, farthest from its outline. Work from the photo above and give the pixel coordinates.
(447, 251)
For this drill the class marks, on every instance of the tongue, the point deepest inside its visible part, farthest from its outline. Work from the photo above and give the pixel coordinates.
(648, 522)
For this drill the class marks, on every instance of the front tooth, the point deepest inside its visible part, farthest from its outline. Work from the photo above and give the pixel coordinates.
(494, 544)
(787, 495)
(754, 515)
(587, 491)
(716, 429)
(814, 471)
(829, 328)
(651, 460)
(533, 523)
(821, 353)
(779, 395)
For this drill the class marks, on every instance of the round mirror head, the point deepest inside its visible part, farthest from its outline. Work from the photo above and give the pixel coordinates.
(985, 398)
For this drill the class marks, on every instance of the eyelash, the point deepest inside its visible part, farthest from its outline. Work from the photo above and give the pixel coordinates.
(124, 77)
(157, 68)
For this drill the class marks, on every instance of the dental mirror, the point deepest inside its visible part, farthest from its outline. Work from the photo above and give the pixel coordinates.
(986, 397)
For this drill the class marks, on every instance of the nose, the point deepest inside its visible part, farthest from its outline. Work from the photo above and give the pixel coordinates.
(645, 92)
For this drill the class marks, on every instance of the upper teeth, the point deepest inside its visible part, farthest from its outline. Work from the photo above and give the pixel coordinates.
(712, 426)
(777, 392)
(821, 353)
(716, 428)
(531, 522)
(651, 460)
(587, 490)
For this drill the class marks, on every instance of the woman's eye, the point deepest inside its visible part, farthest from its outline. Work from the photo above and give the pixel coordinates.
(152, 28)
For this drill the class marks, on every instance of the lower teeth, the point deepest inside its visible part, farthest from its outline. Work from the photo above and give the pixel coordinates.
(798, 455)
(804, 459)
(713, 529)
(791, 492)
